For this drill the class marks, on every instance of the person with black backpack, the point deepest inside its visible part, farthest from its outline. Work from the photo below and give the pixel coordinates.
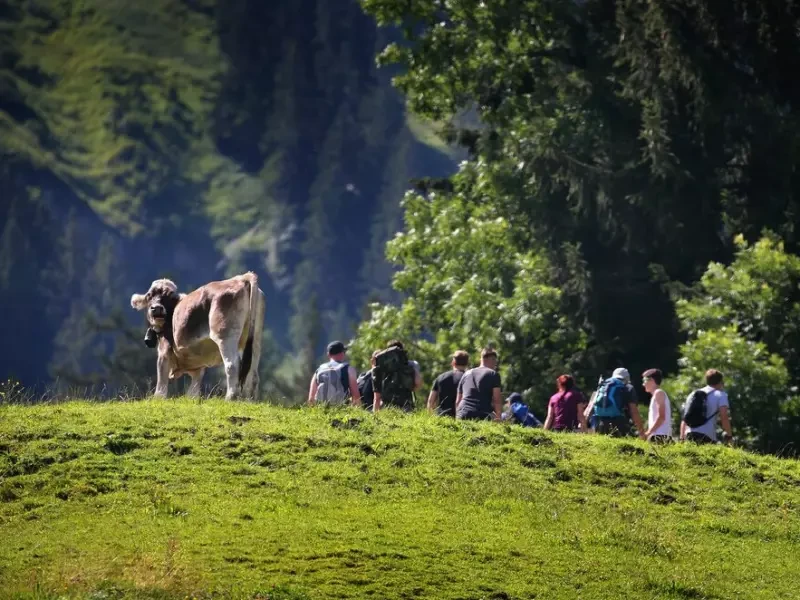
(334, 381)
(365, 387)
(395, 378)
(699, 422)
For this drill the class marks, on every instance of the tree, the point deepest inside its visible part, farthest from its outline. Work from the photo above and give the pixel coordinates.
(640, 134)
(744, 319)
(469, 278)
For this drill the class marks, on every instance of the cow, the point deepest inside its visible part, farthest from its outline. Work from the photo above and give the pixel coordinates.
(205, 328)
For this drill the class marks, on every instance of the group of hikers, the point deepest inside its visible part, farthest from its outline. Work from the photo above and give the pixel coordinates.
(476, 394)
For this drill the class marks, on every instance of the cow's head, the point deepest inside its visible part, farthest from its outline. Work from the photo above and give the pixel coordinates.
(159, 301)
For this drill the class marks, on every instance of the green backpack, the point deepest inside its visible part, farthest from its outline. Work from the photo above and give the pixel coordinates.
(396, 376)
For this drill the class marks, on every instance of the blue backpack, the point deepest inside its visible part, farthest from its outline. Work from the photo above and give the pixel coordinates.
(607, 400)
(524, 416)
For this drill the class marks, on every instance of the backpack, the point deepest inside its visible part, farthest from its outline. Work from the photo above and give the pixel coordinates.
(695, 409)
(332, 383)
(396, 376)
(606, 403)
(521, 414)
(365, 389)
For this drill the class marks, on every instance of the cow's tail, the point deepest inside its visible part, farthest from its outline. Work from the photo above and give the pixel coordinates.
(247, 354)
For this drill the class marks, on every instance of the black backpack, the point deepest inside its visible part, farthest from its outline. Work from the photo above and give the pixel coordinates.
(365, 389)
(695, 409)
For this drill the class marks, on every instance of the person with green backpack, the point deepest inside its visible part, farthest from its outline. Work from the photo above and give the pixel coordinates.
(395, 378)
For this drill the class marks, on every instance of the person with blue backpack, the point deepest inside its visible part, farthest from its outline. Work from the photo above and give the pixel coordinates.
(614, 406)
(334, 381)
(519, 412)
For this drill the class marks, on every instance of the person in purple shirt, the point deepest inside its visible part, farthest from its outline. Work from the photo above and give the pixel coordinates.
(566, 407)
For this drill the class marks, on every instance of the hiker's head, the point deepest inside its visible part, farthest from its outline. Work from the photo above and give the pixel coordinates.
(489, 357)
(394, 344)
(514, 398)
(651, 380)
(460, 360)
(374, 357)
(336, 350)
(622, 374)
(714, 379)
(565, 382)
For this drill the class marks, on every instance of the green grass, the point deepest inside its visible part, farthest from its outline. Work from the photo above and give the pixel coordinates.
(177, 498)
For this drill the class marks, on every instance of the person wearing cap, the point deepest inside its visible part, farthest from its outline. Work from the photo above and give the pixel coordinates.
(442, 398)
(334, 380)
(479, 390)
(626, 403)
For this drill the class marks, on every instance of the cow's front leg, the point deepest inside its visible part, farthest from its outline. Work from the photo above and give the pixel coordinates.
(197, 381)
(162, 377)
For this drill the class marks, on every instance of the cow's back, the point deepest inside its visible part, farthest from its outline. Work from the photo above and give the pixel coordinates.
(211, 311)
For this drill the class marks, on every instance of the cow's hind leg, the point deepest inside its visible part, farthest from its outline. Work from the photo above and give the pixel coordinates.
(197, 381)
(252, 380)
(229, 350)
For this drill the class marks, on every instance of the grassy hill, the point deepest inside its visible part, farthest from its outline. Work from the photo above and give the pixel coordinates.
(180, 498)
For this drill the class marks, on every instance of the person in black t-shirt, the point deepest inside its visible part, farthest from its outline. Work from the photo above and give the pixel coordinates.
(445, 388)
(479, 390)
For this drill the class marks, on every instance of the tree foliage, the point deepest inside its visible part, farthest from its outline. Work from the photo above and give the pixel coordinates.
(744, 320)
(470, 278)
(642, 134)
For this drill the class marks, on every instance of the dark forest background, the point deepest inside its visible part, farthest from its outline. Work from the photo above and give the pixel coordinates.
(193, 140)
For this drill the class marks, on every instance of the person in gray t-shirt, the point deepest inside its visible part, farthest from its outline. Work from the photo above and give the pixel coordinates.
(478, 394)
(716, 406)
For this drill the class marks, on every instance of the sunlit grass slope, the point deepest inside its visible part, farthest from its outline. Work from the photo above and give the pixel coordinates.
(163, 499)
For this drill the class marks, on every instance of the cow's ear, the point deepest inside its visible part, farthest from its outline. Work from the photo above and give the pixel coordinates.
(139, 301)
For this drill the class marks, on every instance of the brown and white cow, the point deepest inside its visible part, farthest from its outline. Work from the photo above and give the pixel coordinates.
(208, 327)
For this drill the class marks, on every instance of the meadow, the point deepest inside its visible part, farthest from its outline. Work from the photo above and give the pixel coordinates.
(182, 498)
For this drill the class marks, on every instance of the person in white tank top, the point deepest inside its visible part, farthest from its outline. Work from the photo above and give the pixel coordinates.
(659, 417)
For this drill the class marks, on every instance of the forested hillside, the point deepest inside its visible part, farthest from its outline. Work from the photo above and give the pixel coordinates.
(193, 139)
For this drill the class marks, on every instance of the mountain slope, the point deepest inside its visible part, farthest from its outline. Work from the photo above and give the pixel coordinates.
(202, 138)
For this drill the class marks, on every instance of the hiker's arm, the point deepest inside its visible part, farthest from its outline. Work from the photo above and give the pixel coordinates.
(459, 398)
(725, 420)
(661, 414)
(548, 422)
(497, 403)
(683, 430)
(433, 398)
(354, 393)
(312, 390)
(377, 389)
(637, 419)
(417, 379)
(589, 407)
(582, 417)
